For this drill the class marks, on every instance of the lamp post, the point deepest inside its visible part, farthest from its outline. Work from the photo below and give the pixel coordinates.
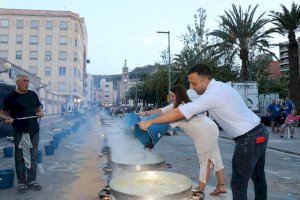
(135, 102)
(169, 54)
(6, 67)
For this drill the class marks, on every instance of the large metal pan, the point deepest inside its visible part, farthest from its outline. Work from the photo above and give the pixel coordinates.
(137, 162)
(151, 185)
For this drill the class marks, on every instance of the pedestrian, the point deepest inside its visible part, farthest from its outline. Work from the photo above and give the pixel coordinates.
(274, 115)
(291, 121)
(228, 109)
(289, 106)
(24, 103)
(205, 134)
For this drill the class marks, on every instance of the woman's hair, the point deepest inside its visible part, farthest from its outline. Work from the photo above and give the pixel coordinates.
(181, 95)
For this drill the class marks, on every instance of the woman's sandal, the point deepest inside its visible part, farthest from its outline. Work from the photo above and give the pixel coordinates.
(197, 194)
(217, 191)
(35, 186)
(21, 188)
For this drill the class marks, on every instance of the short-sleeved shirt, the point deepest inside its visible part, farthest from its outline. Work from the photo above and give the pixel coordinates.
(226, 106)
(167, 108)
(23, 105)
(289, 107)
(274, 110)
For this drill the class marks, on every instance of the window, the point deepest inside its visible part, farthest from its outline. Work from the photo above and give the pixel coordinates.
(4, 23)
(63, 40)
(106, 95)
(48, 40)
(3, 39)
(33, 40)
(33, 70)
(76, 27)
(49, 25)
(18, 55)
(19, 24)
(74, 72)
(47, 71)
(62, 71)
(75, 42)
(62, 55)
(4, 54)
(48, 55)
(75, 57)
(63, 25)
(33, 55)
(34, 24)
(19, 39)
(62, 87)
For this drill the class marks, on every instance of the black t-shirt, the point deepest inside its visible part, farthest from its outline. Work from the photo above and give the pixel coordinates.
(23, 105)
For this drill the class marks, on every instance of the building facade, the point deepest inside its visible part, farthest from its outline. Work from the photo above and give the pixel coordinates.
(49, 44)
(284, 55)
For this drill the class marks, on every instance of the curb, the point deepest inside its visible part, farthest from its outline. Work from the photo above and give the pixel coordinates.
(272, 148)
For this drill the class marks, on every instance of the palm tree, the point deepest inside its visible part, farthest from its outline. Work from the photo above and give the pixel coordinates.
(239, 33)
(287, 22)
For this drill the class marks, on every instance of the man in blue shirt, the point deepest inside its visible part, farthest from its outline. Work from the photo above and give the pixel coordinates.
(274, 116)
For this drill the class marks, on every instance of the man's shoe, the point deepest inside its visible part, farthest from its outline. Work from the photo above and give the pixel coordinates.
(34, 185)
(21, 188)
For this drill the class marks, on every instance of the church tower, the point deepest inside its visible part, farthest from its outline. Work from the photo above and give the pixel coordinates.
(124, 82)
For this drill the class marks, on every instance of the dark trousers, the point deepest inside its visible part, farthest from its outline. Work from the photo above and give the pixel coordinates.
(248, 162)
(21, 170)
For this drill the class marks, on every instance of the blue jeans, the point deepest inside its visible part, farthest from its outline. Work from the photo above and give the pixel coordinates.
(26, 175)
(248, 162)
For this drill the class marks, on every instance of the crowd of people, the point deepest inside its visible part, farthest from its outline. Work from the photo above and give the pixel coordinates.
(283, 115)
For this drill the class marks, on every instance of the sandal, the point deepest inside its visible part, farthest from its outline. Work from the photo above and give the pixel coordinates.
(35, 186)
(21, 188)
(217, 191)
(198, 194)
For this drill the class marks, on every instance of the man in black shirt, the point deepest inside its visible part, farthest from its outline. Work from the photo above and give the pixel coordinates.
(24, 103)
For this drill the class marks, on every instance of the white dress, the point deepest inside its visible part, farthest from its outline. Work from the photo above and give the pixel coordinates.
(205, 134)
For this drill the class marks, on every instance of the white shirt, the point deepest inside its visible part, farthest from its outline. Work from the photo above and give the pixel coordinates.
(226, 106)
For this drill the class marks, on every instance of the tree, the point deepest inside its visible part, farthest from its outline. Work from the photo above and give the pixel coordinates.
(239, 33)
(287, 22)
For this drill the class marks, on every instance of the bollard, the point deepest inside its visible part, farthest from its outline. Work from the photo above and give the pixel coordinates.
(8, 152)
(49, 149)
(39, 156)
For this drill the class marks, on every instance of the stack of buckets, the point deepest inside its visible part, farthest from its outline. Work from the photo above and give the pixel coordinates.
(53, 144)
(7, 175)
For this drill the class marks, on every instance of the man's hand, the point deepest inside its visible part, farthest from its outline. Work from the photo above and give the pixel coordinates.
(9, 120)
(40, 114)
(145, 125)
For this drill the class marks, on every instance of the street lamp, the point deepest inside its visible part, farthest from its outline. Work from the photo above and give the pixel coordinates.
(6, 67)
(169, 53)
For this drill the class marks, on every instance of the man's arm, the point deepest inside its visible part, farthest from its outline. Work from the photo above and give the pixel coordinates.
(168, 117)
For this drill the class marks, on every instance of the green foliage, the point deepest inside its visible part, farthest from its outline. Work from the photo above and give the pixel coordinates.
(239, 33)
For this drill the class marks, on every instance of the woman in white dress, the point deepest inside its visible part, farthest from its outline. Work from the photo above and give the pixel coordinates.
(205, 134)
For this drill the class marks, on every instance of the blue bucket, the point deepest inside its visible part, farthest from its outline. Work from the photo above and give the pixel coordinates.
(153, 134)
(57, 137)
(130, 120)
(54, 143)
(49, 149)
(8, 152)
(6, 178)
(39, 156)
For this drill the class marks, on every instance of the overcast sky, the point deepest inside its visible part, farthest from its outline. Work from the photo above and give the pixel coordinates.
(119, 29)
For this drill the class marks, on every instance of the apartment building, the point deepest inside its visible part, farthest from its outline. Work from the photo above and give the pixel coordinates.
(284, 55)
(49, 44)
